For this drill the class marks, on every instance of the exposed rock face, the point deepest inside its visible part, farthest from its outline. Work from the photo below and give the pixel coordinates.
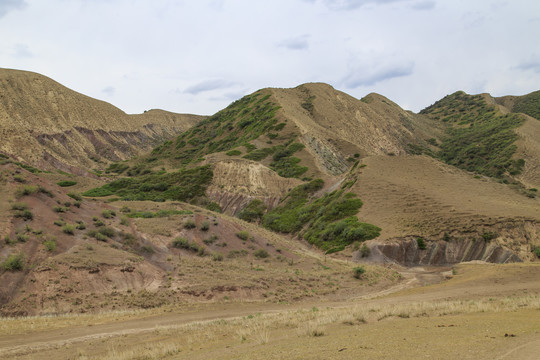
(237, 182)
(406, 252)
(50, 126)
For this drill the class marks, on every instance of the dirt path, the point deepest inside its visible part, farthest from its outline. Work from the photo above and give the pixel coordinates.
(492, 279)
(11, 345)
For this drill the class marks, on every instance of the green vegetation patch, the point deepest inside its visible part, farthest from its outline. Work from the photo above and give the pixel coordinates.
(242, 121)
(182, 185)
(14, 262)
(233, 153)
(66, 183)
(327, 222)
(528, 104)
(254, 211)
(477, 138)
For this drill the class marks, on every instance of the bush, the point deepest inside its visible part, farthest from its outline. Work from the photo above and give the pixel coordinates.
(205, 226)
(66, 183)
(14, 262)
(59, 209)
(243, 235)
(183, 243)
(488, 236)
(98, 222)
(19, 206)
(365, 251)
(24, 214)
(233, 153)
(107, 231)
(254, 211)
(22, 238)
(212, 239)
(421, 243)
(75, 196)
(237, 253)
(80, 225)
(189, 224)
(261, 254)
(59, 222)
(358, 272)
(108, 214)
(68, 229)
(19, 178)
(25, 190)
(47, 192)
(50, 245)
(217, 257)
(536, 251)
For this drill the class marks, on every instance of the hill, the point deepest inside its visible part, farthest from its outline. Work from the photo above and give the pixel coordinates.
(49, 126)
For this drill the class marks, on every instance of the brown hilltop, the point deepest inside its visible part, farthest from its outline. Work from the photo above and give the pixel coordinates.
(48, 125)
(335, 124)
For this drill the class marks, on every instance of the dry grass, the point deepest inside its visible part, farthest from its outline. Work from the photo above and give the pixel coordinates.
(262, 329)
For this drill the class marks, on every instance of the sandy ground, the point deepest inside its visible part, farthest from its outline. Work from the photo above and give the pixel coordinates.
(485, 333)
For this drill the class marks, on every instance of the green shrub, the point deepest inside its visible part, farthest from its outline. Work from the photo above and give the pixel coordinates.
(50, 245)
(80, 225)
(107, 231)
(68, 229)
(233, 153)
(59, 222)
(421, 243)
(237, 253)
(536, 251)
(205, 226)
(47, 192)
(488, 236)
(19, 206)
(189, 224)
(108, 214)
(210, 240)
(243, 235)
(75, 196)
(147, 249)
(24, 214)
(98, 222)
(213, 206)
(358, 272)
(66, 183)
(254, 211)
(183, 243)
(14, 262)
(217, 257)
(365, 251)
(261, 254)
(19, 178)
(22, 238)
(59, 209)
(25, 190)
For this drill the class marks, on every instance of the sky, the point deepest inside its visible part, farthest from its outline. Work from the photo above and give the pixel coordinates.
(198, 56)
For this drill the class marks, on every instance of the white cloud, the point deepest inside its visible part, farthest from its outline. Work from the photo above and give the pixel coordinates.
(10, 5)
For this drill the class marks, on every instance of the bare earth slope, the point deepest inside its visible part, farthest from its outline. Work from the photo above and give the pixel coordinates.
(50, 126)
(335, 126)
(419, 196)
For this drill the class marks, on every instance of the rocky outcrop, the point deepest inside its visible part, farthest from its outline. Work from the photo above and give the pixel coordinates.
(237, 182)
(406, 252)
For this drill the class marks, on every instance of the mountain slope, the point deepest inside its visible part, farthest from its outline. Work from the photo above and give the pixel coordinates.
(52, 127)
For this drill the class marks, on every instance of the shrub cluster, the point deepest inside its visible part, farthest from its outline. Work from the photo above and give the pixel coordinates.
(327, 222)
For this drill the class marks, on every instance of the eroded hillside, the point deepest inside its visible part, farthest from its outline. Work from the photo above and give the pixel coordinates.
(52, 127)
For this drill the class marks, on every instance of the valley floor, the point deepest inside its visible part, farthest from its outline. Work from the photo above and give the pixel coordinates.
(484, 311)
